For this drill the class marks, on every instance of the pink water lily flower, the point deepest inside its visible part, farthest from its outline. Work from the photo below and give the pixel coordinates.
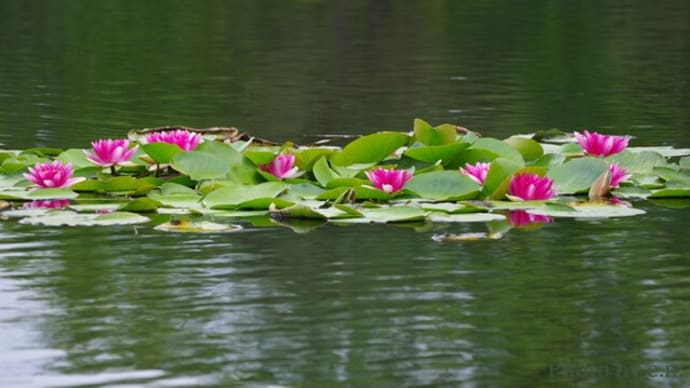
(52, 175)
(520, 218)
(618, 175)
(601, 145)
(180, 137)
(389, 180)
(531, 187)
(282, 166)
(477, 171)
(109, 152)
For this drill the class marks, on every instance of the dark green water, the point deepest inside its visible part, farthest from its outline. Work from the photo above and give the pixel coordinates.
(574, 303)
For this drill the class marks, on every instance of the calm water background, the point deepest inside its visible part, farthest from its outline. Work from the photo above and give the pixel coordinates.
(572, 303)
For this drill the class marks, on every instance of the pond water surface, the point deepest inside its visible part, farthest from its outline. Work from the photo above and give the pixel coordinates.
(571, 303)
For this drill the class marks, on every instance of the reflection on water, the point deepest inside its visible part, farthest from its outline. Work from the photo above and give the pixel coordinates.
(291, 70)
(570, 302)
(268, 305)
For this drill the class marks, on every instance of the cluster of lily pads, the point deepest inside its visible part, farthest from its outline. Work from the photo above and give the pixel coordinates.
(441, 174)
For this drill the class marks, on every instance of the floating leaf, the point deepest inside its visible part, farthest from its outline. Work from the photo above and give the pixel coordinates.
(161, 152)
(497, 179)
(305, 158)
(631, 192)
(665, 151)
(351, 170)
(549, 160)
(469, 217)
(432, 136)
(43, 151)
(553, 136)
(323, 173)
(387, 215)
(199, 165)
(449, 207)
(684, 162)
(89, 185)
(346, 182)
(121, 185)
(528, 148)
(77, 157)
(140, 205)
(642, 162)
(675, 192)
(363, 192)
(260, 157)
(187, 226)
(51, 194)
(232, 196)
(577, 175)
(263, 203)
(306, 212)
(70, 218)
(431, 154)
(672, 177)
(590, 210)
(500, 148)
(301, 191)
(240, 169)
(375, 147)
(443, 186)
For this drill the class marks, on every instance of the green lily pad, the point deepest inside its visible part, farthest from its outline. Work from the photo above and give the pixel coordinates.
(232, 196)
(590, 210)
(665, 151)
(672, 177)
(200, 165)
(323, 172)
(375, 147)
(177, 200)
(187, 226)
(498, 147)
(449, 207)
(642, 162)
(631, 192)
(75, 156)
(140, 205)
(443, 186)
(161, 152)
(498, 176)
(468, 217)
(363, 192)
(431, 154)
(384, 215)
(70, 218)
(549, 160)
(43, 152)
(51, 194)
(120, 184)
(262, 203)
(433, 136)
(684, 162)
(260, 157)
(306, 212)
(306, 157)
(577, 175)
(675, 192)
(89, 185)
(528, 148)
